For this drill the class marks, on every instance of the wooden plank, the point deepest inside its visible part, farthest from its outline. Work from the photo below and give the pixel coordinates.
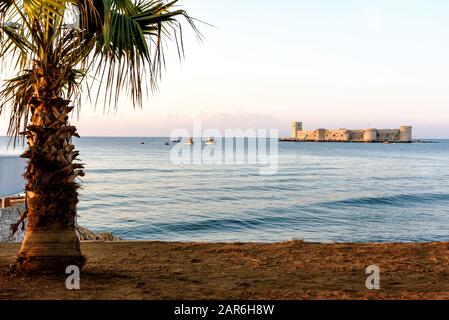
(6, 202)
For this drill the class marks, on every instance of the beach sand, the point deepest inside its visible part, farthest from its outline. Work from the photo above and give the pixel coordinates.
(291, 270)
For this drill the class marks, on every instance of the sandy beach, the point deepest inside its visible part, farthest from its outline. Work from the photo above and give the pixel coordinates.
(290, 270)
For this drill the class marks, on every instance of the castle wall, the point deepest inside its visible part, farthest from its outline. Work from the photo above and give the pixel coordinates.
(306, 136)
(388, 135)
(357, 135)
(341, 135)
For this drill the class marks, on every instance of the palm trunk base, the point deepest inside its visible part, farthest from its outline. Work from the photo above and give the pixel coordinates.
(49, 250)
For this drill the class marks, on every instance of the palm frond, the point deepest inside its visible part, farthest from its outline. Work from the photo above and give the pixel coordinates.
(45, 9)
(17, 93)
(119, 41)
(130, 49)
(5, 5)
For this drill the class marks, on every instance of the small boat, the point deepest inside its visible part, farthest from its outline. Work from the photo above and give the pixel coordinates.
(177, 140)
(211, 140)
(189, 141)
(167, 143)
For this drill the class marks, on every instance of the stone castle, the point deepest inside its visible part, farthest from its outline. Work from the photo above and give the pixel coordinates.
(403, 134)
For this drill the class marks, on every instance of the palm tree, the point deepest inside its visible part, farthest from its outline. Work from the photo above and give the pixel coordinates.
(118, 43)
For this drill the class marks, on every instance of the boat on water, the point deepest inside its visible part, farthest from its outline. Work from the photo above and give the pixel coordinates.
(177, 140)
(211, 140)
(189, 141)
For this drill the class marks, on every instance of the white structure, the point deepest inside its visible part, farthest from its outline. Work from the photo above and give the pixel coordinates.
(12, 182)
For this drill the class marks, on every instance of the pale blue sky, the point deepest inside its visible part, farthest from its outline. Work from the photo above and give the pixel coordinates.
(346, 63)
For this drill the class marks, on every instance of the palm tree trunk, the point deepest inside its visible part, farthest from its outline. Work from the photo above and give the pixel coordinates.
(50, 243)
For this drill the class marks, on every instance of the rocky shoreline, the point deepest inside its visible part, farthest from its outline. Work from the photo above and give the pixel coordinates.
(11, 215)
(88, 235)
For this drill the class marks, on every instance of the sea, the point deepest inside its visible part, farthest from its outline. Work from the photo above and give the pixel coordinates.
(138, 189)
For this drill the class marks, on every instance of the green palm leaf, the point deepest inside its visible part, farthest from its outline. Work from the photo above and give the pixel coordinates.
(117, 42)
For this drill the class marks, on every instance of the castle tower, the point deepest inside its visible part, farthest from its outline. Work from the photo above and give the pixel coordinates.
(405, 134)
(320, 135)
(345, 135)
(296, 126)
(370, 135)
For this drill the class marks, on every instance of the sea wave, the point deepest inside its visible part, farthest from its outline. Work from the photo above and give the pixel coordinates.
(387, 200)
(127, 170)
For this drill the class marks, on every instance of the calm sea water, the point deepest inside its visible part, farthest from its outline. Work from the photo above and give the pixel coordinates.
(322, 192)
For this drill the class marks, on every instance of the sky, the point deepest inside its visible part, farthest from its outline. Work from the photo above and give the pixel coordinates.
(330, 64)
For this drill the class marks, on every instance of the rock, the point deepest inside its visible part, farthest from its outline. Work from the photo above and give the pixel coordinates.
(88, 235)
(9, 216)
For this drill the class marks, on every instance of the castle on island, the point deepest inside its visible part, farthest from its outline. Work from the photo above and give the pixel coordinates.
(403, 134)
